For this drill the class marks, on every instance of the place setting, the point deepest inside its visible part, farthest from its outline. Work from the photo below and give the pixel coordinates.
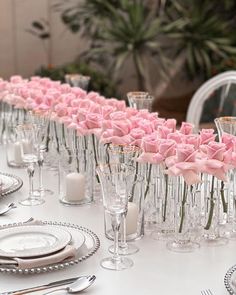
(41, 246)
(9, 184)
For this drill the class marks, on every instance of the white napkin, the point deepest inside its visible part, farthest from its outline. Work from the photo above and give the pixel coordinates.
(68, 252)
(23, 263)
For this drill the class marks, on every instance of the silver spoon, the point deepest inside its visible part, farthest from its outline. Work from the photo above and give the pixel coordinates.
(80, 284)
(4, 209)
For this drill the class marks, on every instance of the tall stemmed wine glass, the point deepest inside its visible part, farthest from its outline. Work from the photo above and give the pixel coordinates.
(227, 125)
(126, 154)
(114, 180)
(42, 126)
(27, 134)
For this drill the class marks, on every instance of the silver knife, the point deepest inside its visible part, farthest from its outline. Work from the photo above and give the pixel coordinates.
(41, 287)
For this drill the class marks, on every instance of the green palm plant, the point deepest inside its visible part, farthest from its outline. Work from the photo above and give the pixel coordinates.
(204, 36)
(120, 30)
(194, 34)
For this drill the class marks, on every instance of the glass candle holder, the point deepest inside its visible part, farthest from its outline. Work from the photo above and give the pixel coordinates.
(140, 100)
(75, 181)
(78, 80)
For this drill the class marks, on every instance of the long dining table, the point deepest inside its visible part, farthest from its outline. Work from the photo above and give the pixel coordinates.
(156, 270)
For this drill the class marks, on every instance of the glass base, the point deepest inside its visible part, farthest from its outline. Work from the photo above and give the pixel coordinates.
(182, 247)
(119, 264)
(31, 202)
(163, 234)
(216, 241)
(43, 192)
(126, 250)
(76, 203)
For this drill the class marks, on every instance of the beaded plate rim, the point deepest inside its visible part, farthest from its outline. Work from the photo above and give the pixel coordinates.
(61, 265)
(227, 279)
(15, 187)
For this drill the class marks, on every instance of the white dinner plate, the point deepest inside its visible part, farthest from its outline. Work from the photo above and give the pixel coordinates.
(33, 240)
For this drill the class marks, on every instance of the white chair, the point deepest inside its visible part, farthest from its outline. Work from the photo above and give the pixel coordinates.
(195, 108)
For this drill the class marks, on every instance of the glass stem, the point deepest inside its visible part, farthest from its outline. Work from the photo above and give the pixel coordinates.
(123, 243)
(40, 163)
(30, 171)
(116, 219)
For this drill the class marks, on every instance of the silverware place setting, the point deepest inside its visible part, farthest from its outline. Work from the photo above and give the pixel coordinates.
(5, 208)
(206, 292)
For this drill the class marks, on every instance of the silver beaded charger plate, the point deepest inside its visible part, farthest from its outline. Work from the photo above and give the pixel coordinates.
(9, 184)
(230, 280)
(90, 246)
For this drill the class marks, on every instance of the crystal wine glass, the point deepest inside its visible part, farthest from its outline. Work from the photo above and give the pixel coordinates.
(114, 180)
(140, 100)
(41, 124)
(27, 134)
(125, 154)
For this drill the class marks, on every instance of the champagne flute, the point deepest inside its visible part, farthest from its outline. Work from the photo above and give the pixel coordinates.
(114, 180)
(27, 134)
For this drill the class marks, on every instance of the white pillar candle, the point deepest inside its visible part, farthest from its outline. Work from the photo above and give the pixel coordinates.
(17, 153)
(132, 218)
(75, 187)
(27, 146)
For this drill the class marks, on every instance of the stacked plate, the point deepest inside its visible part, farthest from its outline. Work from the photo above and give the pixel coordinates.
(9, 183)
(230, 280)
(44, 246)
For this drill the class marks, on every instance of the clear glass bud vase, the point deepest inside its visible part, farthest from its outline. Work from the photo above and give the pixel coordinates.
(186, 207)
(215, 201)
(165, 202)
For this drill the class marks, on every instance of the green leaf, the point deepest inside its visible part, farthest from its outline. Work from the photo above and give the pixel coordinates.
(38, 25)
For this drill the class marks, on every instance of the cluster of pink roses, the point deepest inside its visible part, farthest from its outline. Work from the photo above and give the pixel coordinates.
(181, 151)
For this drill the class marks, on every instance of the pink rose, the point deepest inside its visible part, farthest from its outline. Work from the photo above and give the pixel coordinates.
(176, 136)
(150, 144)
(136, 136)
(117, 116)
(215, 150)
(121, 128)
(193, 139)
(146, 125)
(207, 135)
(93, 121)
(229, 140)
(81, 115)
(61, 109)
(167, 148)
(186, 128)
(171, 124)
(107, 111)
(163, 132)
(185, 164)
(218, 160)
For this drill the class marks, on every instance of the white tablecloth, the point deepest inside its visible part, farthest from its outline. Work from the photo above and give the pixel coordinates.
(156, 270)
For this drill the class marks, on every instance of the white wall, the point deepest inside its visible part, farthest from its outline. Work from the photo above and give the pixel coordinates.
(21, 52)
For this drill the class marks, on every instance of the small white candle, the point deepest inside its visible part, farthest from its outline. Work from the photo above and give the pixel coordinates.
(75, 187)
(17, 153)
(132, 218)
(27, 147)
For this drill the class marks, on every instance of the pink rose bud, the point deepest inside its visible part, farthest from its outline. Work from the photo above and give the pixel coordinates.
(176, 136)
(216, 150)
(163, 132)
(118, 116)
(150, 144)
(193, 139)
(171, 124)
(206, 136)
(186, 128)
(121, 128)
(185, 153)
(93, 121)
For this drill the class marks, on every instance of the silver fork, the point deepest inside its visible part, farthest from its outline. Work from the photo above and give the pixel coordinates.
(206, 292)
